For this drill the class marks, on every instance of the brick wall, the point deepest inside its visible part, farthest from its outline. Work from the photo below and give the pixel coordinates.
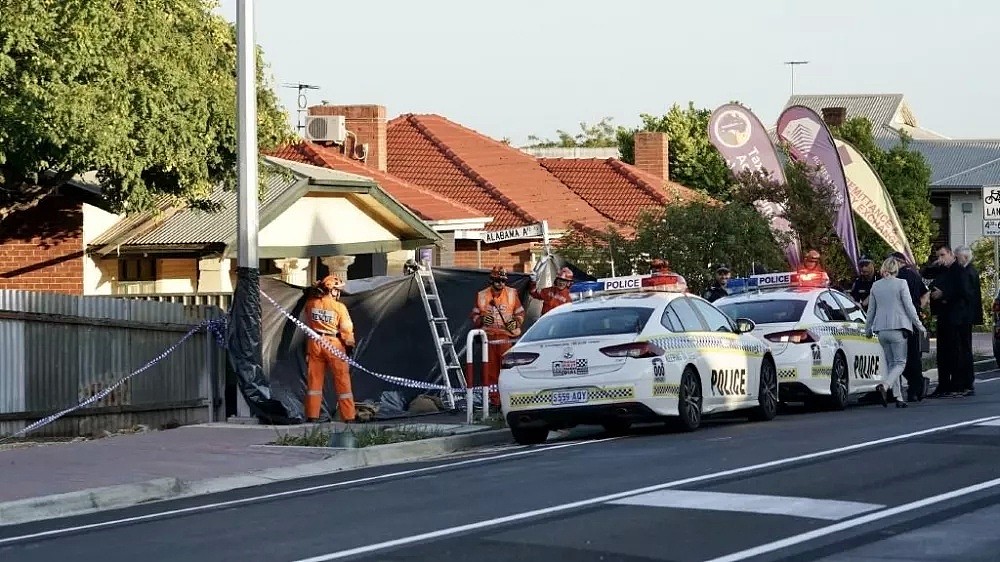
(651, 153)
(445, 250)
(42, 249)
(515, 256)
(368, 123)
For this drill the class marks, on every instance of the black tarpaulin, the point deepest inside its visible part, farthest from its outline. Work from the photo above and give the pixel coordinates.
(243, 341)
(392, 333)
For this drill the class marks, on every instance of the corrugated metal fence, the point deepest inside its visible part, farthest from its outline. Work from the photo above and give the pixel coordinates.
(57, 350)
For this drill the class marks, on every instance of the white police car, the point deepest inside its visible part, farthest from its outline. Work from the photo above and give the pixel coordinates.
(816, 334)
(629, 350)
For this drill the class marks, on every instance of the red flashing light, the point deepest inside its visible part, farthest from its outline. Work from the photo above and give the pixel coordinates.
(810, 279)
(665, 282)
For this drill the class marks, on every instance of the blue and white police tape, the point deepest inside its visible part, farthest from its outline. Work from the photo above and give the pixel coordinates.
(216, 327)
(350, 361)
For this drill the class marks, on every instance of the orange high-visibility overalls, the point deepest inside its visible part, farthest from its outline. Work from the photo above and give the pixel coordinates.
(505, 308)
(551, 297)
(329, 318)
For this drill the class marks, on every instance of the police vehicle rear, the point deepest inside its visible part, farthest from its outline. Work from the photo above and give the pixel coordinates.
(816, 334)
(634, 349)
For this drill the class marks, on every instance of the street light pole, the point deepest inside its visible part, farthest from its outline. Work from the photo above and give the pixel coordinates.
(246, 130)
(792, 64)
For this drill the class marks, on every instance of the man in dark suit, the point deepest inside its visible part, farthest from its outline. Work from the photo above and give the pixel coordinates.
(963, 255)
(919, 294)
(950, 298)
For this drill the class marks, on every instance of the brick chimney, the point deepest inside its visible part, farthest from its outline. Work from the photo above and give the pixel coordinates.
(651, 153)
(368, 123)
(834, 116)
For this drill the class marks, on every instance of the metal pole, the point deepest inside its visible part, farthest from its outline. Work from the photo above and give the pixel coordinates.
(479, 253)
(996, 264)
(246, 130)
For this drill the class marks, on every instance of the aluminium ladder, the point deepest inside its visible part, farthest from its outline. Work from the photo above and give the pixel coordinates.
(438, 322)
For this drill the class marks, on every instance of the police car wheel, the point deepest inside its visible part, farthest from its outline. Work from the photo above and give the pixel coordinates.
(530, 435)
(839, 382)
(767, 393)
(689, 400)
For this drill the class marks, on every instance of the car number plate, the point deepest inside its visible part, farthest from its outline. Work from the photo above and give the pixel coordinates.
(569, 367)
(561, 397)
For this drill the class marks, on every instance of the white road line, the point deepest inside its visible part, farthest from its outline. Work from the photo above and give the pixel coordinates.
(231, 503)
(991, 422)
(851, 523)
(478, 525)
(988, 380)
(832, 510)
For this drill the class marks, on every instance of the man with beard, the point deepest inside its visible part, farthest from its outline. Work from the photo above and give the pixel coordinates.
(950, 298)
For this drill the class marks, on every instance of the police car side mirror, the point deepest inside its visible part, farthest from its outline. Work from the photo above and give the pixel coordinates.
(745, 325)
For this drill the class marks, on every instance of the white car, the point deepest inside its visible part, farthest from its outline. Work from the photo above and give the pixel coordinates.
(816, 334)
(644, 354)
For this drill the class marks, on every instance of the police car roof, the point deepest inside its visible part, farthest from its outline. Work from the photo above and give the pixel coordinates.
(783, 293)
(649, 299)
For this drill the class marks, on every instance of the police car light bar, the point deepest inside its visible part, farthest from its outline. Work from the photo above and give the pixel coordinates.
(764, 281)
(627, 284)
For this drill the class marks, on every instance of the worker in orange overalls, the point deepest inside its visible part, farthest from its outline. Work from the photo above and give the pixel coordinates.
(498, 311)
(556, 295)
(329, 318)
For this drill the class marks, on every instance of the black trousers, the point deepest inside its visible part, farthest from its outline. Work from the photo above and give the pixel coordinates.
(954, 357)
(914, 372)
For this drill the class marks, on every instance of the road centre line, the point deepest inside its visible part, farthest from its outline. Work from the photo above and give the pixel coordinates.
(478, 525)
(241, 501)
(851, 523)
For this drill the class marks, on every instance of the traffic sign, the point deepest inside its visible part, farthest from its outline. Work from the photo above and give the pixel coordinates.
(991, 228)
(991, 202)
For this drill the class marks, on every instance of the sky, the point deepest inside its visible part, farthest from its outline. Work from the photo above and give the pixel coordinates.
(518, 68)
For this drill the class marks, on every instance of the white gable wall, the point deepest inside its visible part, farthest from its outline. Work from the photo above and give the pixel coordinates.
(316, 221)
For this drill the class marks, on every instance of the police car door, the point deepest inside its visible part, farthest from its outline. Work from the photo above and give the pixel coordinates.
(730, 377)
(868, 364)
(680, 317)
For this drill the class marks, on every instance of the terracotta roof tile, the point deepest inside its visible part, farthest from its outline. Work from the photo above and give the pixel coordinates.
(617, 190)
(425, 203)
(483, 173)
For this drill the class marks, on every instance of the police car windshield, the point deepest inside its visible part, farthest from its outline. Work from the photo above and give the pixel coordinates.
(589, 323)
(766, 312)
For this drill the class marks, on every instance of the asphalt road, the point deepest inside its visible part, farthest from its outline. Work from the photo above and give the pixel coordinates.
(869, 483)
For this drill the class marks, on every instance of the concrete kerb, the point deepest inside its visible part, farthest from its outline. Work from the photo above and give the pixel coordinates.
(128, 495)
(990, 364)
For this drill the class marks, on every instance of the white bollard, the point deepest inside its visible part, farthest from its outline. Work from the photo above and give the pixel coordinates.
(485, 347)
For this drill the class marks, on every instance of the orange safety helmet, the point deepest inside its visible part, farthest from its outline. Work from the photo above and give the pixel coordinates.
(812, 255)
(566, 274)
(498, 274)
(659, 264)
(332, 282)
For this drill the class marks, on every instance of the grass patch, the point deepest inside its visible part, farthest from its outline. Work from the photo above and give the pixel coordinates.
(495, 421)
(363, 435)
(929, 361)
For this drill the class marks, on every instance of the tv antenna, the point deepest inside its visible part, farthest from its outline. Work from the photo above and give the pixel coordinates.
(303, 103)
(792, 64)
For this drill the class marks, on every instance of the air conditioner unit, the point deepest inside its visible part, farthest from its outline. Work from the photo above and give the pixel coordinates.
(326, 128)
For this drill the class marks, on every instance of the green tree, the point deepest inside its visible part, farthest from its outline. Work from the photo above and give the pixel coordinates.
(906, 177)
(982, 258)
(693, 236)
(602, 134)
(143, 93)
(694, 162)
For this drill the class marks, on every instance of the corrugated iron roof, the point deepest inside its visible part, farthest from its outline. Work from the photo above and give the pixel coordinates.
(878, 108)
(189, 226)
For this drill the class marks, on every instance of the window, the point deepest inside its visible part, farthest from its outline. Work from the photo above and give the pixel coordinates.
(137, 269)
(854, 312)
(681, 317)
(590, 322)
(717, 321)
(766, 312)
(828, 309)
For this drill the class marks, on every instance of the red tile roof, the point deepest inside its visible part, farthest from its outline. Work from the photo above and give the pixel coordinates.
(425, 203)
(617, 190)
(499, 180)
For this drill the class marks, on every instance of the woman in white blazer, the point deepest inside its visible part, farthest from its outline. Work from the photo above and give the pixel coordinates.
(891, 315)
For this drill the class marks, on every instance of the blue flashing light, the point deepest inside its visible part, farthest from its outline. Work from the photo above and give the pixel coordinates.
(584, 286)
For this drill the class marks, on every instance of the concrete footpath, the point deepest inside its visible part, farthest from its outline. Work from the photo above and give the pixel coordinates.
(55, 480)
